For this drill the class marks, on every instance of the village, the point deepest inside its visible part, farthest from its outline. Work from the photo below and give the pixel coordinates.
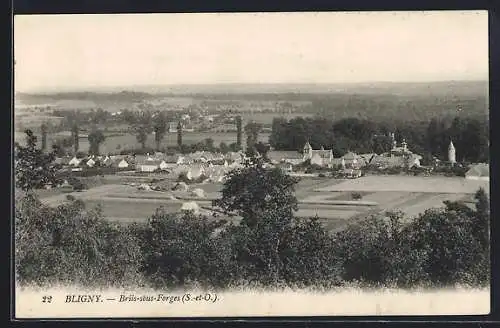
(131, 187)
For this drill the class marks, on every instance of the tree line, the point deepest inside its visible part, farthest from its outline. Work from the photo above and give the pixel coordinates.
(141, 124)
(469, 135)
(268, 248)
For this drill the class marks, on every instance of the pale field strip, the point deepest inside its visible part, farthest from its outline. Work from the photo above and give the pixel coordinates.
(409, 184)
(385, 197)
(250, 303)
(326, 213)
(435, 201)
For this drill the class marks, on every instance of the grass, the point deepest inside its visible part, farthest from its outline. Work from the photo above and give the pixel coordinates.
(409, 184)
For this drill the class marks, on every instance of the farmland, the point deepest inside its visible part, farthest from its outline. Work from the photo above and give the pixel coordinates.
(329, 199)
(115, 142)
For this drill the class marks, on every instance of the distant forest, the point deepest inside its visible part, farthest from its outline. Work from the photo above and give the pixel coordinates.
(379, 102)
(430, 139)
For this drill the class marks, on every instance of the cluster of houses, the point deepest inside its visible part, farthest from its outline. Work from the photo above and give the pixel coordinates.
(351, 163)
(194, 165)
(214, 166)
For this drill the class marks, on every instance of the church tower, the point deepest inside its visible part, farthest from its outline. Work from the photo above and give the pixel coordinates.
(451, 153)
(307, 151)
(393, 141)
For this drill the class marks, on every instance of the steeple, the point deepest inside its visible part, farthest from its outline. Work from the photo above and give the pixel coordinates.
(451, 153)
(404, 145)
(307, 146)
(307, 151)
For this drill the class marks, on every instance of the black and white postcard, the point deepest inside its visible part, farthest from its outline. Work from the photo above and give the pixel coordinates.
(251, 164)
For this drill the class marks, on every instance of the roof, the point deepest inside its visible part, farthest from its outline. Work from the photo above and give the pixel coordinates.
(322, 153)
(350, 156)
(479, 170)
(387, 160)
(172, 158)
(282, 155)
(155, 162)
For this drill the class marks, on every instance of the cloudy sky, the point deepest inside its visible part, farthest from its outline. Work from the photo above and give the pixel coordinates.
(88, 51)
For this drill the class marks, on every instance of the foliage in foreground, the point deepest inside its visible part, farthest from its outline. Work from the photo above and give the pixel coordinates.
(271, 248)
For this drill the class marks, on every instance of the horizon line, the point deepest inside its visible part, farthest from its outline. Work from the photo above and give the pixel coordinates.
(130, 87)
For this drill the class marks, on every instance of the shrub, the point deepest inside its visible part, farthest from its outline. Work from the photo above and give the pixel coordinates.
(181, 249)
(356, 196)
(71, 245)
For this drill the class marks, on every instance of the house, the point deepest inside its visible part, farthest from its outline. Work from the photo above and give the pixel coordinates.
(284, 156)
(351, 160)
(123, 164)
(90, 162)
(107, 161)
(195, 172)
(75, 161)
(285, 167)
(172, 127)
(398, 156)
(320, 157)
(148, 164)
(478, 172)
(163, 165)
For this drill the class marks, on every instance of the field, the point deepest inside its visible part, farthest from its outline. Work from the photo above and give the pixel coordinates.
(115, 143)
(329, 199)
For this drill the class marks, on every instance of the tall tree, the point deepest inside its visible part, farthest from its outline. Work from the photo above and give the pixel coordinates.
(96, 138)
(142, 136)
(43, 129)
(142, 126)
(265, 199)
(252, 131)
(209, 144)
(33, 167)
(76, 137)
(159, 128)
(179, 134)
(239, 130)
(254, 190)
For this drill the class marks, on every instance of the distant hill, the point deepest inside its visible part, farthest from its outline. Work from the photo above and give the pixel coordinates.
(462, 88)
(123, 96)
(382, 101)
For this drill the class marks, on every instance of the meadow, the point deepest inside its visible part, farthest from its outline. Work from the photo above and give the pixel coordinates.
(329, 199)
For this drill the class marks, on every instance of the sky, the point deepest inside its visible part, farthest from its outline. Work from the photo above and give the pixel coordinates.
(61, 52)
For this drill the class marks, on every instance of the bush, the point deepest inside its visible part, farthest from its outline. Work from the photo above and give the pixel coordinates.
(180, 250)
(356, 196)
(71, 245)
